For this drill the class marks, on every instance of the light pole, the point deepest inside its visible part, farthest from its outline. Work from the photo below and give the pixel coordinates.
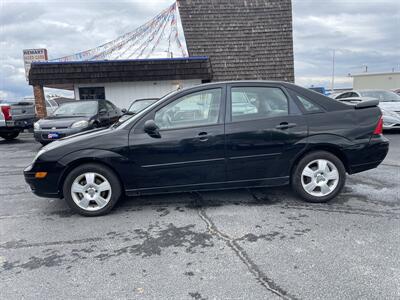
(333, 71)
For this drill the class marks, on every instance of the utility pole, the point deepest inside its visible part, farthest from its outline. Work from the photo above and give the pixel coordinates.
(333, 71)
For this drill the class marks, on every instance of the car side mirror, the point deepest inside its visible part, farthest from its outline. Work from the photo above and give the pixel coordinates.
(102, 111)
(124, 110)
(151, 128)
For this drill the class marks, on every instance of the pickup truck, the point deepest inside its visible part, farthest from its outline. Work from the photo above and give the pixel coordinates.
(15, 116)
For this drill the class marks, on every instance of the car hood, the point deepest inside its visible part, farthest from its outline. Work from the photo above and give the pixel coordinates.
(78, 138)
(60, 122)
(390, 106)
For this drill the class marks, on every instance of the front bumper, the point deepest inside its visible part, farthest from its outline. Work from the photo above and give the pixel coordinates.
(391, 126)
(45, 187)
(391, 123)
(42, 135)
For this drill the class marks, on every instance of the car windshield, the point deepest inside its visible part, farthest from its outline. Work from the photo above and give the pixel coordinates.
(139, 105)
(382, 96)
(78, 108)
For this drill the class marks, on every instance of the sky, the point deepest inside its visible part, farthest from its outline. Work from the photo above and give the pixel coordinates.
(365, 34)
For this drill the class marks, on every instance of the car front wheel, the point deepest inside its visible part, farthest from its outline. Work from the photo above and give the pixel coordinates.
(319, 177)
(92, 189)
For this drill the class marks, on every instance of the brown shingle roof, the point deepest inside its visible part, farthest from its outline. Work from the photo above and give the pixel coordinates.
(244, 39)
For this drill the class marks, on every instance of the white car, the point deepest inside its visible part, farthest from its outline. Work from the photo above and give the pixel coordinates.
(389, 103)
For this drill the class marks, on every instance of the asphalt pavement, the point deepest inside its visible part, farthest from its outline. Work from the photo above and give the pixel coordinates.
(242, 244)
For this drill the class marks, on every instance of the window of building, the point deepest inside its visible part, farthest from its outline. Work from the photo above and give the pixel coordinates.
(86, 93)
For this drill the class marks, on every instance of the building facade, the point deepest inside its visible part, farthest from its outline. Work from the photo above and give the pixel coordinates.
(384, 81)
(120, 81)
(226, 40)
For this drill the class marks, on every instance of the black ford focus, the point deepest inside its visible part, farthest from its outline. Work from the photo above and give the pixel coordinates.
(215, 136)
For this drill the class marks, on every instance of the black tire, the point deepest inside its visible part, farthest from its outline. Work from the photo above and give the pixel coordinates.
(44, 143)
(103, 171)
(307, 159)
(10, 135)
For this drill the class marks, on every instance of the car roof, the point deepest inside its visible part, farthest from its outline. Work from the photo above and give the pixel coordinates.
(327, 103)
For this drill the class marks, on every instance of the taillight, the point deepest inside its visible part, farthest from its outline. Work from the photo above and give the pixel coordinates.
(379, 126)
(6, 112)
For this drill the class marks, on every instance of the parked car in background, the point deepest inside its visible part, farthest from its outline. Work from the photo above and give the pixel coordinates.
(73, 117)
(391, 119)
(290, 136)
(389, 103)
(15, 116)
(51, 105)
(136, 107)
(397, 91)
(140, 104)
(319, 89)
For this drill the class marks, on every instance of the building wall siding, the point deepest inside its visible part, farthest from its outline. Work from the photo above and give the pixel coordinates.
(244, 39)
(123, 93)
(386, 81)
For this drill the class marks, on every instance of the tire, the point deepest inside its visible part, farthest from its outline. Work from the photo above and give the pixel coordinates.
(82, 191)
(319, 177)
(10, 135)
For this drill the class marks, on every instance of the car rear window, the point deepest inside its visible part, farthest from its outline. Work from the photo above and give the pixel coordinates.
(308, 105)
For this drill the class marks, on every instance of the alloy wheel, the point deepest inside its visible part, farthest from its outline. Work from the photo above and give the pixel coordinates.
(91, 191)
(320, 177)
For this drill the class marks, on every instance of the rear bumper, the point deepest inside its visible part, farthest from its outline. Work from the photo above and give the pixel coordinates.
(371, 156)
(16, 125)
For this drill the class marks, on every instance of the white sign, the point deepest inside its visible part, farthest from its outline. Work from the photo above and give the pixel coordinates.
(32, 55)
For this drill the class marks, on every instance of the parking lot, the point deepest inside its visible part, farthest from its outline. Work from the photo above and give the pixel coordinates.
(242, 244)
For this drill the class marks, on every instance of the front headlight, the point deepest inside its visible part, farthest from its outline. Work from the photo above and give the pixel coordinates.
(36, 126)
(80, 124)
(390, 113)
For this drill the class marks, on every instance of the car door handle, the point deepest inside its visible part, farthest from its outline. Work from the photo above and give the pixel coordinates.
(203, 136)
(285, 125)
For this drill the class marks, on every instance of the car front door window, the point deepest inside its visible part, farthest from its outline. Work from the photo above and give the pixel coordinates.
(197, 109)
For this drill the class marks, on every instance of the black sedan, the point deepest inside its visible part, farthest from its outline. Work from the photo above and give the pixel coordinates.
(74, 117)
(216, 136)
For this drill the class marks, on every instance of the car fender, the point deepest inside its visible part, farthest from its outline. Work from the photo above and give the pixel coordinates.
(115, 161)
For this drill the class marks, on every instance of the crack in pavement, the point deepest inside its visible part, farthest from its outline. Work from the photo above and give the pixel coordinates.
(266, 282)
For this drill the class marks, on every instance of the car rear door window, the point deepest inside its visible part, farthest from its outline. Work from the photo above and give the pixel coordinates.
(249, 103)
(196, 109)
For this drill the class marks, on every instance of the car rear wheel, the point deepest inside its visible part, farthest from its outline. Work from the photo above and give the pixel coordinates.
(10, 135)
(92, 189)
(319, 177)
